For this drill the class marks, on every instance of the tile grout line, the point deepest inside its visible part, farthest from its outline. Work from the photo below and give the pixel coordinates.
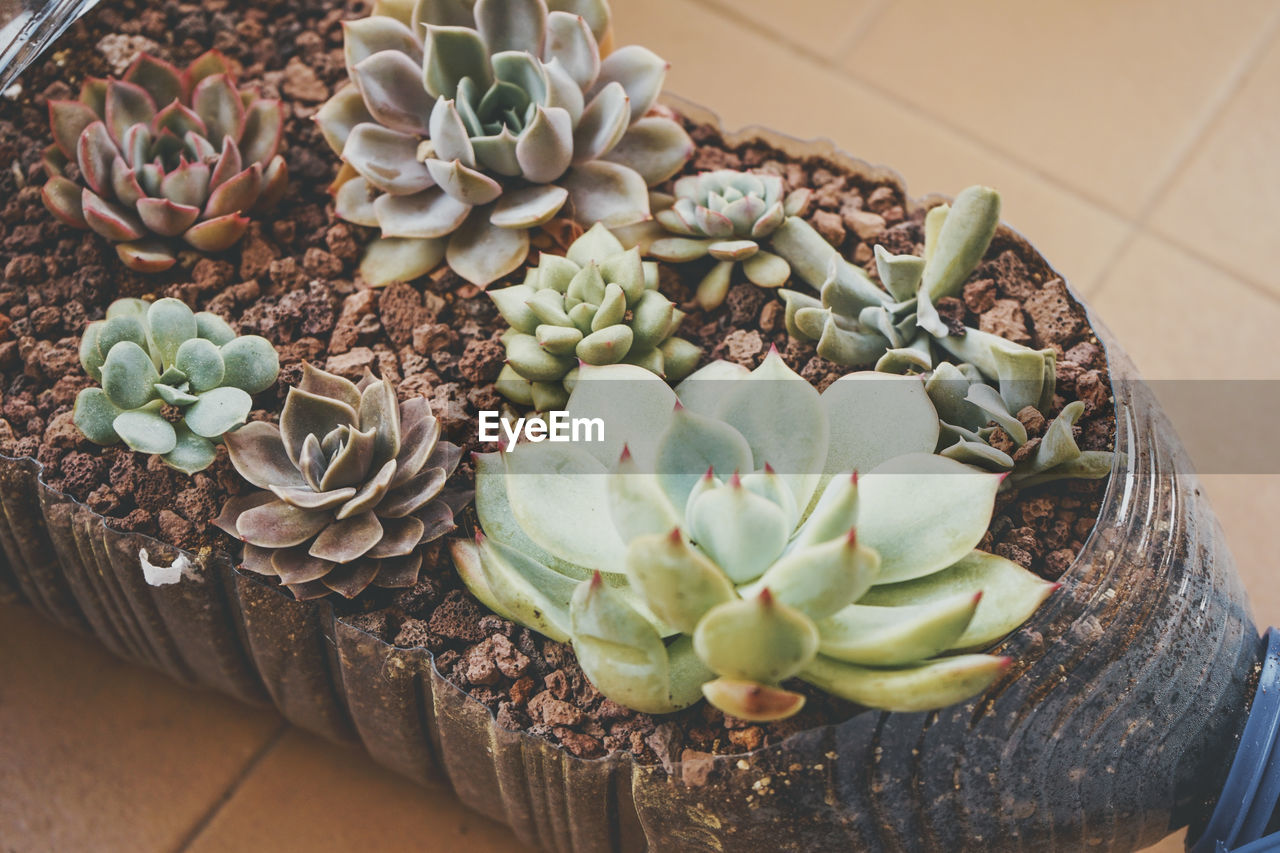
(1140, 224)
(218, 804)
(819, 62)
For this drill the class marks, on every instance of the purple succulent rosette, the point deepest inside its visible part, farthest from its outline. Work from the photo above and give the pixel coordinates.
(166, 157)
(353, 483)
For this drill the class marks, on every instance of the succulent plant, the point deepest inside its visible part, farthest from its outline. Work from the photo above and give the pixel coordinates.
(173, 381)
(727, 215)
(165, 155)
(711, 547)
(470, 124)
(970, 411)
(352, 484)
(597, 305)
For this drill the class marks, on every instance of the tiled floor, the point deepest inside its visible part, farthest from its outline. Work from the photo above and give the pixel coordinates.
(1136, 143)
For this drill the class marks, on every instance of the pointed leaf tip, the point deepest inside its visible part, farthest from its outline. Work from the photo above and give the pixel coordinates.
(626, 452)
(675, 536)
(852, 539)
(735, 480)
(766, 597)
(596, 580)
(768, 469)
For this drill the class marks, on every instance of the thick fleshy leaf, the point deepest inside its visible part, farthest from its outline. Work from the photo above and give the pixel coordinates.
(430, 213)
(758, 639)
(218, 102)
(962, 241)
(919, 688)
(743, 532)
(821, 579)
(178, 119)
(752, 701)
(399, 537)
(346, 540)
(364, 37)
(95, 155)
(570, 40)
(515, 586)
(370, 493)
(875, 417)
(296, 566)
(257, 452)
(528, 207)
(207, 64)
(307, 414)
(218, 411)
(236, 507)
(452, 53)
(354, 202)
(413, 495)
(482, 253)
(604, 121)
(545, 148)
(169, 322)
(145, 432)
(214, 235)
(563, 91)
(380, 412)
(1010, 594)
(765, 269)
(442, 13)
(605, 192)
(145, 256)
(624, 656)
(68, 119)
(125, 106)
(694, 444)
(326, 384)
(678, 582)
(161, 80)
(276, 524)
(895, 636)
(94, 416)
(63, 198)
(654, 147)
(398, 572)
(641, 73)
(263, 127)
(165, 217)
(353, 579)
(187, 184)
(467, 186)
(512, 24)
(200, 360)
(341, 113)
(252, 363)
(128, 376)
(387, 159)
(391, 83)
(213, 328)
(350, 463)
(124, 183)
(400, 259)
(952, 501)
(192, 453)
(419, 438)
(450, 139)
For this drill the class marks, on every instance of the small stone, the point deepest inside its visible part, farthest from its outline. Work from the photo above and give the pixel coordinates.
(980, 296)
(1031, 418)
(1005, 319)
(302, 84)
(548, 710)
(867, 225)
(1054, 316)
(351, 364)
(831, 226)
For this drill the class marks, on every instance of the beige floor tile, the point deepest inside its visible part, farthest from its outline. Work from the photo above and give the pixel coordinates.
(311, 796)
(1225, 201)
(1246, 506)
(805, 101)
(821, 27)
(1180, 318)
(1104, 96)
(100, 755)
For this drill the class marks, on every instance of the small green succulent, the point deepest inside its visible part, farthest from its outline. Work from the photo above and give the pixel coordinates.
(352, 485)
(727, 215)
(471, 123)
(597, 305)
(970, 410)
(711, 547)
(173, 381)
(897, 329)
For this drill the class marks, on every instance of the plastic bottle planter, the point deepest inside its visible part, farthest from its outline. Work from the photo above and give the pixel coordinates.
(1115, 727)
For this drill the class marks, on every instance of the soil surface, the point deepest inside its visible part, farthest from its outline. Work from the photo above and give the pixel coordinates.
(292, 280)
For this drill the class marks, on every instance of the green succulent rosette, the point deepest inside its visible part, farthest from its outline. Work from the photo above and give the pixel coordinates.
(467, 125)
(599, 304)
(711, 547)
(173, 381)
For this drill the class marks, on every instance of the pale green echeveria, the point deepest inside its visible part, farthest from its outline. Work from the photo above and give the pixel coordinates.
(353, 484)
(718, 543)
(597, 305)
(173, 381)
(469, 125)
(166, 158)
(727, 215)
